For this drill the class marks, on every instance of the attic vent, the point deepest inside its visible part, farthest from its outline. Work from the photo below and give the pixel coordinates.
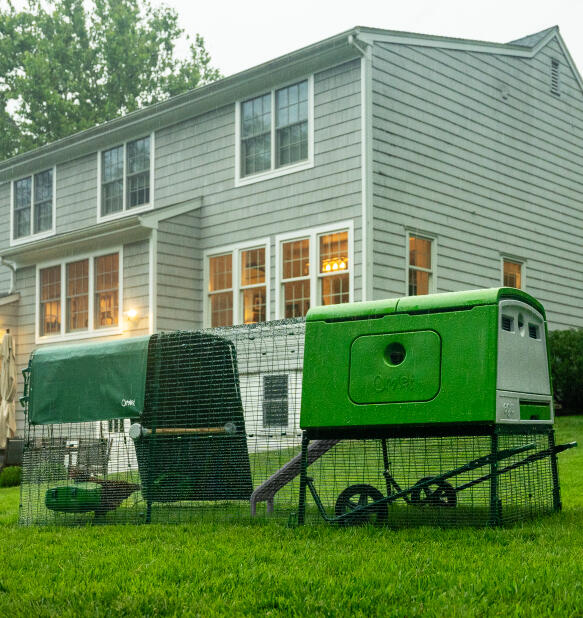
(533, 331)
(555, 77)
(507, 323)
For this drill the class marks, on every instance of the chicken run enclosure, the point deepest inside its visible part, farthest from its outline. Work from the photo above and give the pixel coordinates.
(356, 415)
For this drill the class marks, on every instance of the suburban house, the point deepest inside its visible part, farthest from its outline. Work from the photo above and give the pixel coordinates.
(370, 165)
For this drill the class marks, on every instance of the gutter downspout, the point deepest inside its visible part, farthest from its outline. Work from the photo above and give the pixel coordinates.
(12, 267)
(365, 52)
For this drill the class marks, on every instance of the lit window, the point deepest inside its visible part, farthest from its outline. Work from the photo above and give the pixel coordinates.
(125, 177)
(296, 278)
(275, 401)
(221, 290)
(50, 301)
(253, 285)
(77, 296)
(512, 274)
(303, 285)
(74, 286)
(106, 291)
(237, 286)
(420, 266)
(274, 129)
(334, 278)
(33, 205)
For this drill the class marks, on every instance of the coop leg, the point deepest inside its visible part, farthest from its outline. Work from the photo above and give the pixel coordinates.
(303, 480)
(495, 504)
(148, 512)
(557, 506)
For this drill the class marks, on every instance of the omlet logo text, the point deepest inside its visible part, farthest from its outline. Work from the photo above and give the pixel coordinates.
(128, 402)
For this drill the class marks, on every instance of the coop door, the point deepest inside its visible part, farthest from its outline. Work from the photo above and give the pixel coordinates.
(396, 367)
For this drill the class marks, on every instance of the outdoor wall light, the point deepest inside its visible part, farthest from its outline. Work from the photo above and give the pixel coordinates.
(131, 314)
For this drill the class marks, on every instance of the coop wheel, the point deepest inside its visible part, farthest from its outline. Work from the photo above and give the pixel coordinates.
(440, 493)
(357, 496)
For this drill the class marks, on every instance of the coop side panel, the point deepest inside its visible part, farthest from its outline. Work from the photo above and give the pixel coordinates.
(197, 157)
(179, 274)
(475, 152)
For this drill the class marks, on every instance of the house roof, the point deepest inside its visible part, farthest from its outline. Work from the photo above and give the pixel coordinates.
(328, 52)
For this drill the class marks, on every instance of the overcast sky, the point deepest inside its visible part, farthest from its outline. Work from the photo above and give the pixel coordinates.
(240, 34)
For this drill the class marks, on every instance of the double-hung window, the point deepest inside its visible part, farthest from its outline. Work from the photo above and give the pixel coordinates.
(238, 285)
(420, 271)
(79, 296)
(274, 131)
(33, 202)
(314, 268)
(512, 275)
(126, 177)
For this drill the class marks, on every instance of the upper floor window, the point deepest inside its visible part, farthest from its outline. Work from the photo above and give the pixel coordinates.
(125, 177)
(275, 132)
(237, 286)
(314, 269)
(420, 267)
(33, 205)
(512, 274)
(79, 296)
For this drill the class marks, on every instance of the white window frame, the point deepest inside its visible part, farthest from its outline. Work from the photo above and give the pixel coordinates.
(32, 237)
(236, 289)
(132, 211)
(432, 271)
(312, 234)
(505, 257)
(91, 331)
(274, 172)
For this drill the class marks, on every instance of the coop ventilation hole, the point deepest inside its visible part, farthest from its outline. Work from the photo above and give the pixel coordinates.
(533, 331)
(507, 323)
(395, 354)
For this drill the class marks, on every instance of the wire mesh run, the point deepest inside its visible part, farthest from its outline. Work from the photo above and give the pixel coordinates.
(219, 439)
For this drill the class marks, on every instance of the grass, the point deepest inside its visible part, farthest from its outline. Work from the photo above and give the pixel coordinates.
(533, 569)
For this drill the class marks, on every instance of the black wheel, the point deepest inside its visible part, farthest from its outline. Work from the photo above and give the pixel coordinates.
(356, 497)
(440, 493)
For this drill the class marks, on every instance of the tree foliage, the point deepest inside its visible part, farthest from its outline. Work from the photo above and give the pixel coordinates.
(65, 68)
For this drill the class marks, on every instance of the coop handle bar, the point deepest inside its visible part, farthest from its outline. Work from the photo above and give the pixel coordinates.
(471, 465)
(137, 431)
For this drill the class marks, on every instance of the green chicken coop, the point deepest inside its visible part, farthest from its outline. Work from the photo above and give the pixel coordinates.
(446, 402)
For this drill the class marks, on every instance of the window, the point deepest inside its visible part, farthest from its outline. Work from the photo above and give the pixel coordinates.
(512, 274)
(33, 205)
(237, 286)
(420, 269)
(301, 284)
(555, 77)
(87, 289)
(275, 401)
(125, 177)
(274, 131)
(115, 425)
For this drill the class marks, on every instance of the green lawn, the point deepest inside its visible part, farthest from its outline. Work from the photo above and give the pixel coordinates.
(266, 568)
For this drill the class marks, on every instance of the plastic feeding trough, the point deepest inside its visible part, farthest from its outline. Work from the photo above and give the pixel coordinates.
(446, 400)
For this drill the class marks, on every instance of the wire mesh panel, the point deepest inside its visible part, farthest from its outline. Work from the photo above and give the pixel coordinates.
(221, 417)
(219, 438)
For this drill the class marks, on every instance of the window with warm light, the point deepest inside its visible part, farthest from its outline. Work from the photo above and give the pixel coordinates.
(296, 277)
(511, 274)
(333, 275)
(420, 271)
(86, 291)
(314, 270)
(237, 286)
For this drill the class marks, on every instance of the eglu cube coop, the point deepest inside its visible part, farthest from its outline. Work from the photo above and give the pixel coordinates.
(433, 409)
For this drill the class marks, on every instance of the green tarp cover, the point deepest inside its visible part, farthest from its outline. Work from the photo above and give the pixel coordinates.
(88, 382)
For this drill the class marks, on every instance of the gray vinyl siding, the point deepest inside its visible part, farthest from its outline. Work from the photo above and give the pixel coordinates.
(484, 174)
(179, 276)
(196, 158)
(135, 294)
(76, 194)
(4, 215)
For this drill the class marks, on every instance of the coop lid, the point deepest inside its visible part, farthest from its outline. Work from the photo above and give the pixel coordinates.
(420, 304)
(88, 382)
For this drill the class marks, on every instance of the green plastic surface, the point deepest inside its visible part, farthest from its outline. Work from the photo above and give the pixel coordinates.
(395, 367)
(414, 304)
(88, 382)
(535, 411)
(77, 498)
